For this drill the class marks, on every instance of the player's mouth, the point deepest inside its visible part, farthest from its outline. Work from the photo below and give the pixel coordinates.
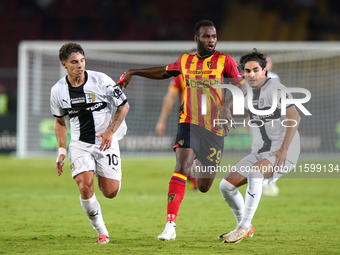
(210, 47)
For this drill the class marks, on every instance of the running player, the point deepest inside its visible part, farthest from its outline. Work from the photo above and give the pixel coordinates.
(197, 137)
(275, 147)
(176, 87)
(96, 112)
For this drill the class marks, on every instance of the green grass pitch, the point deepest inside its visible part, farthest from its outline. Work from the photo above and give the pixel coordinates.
(41, 214)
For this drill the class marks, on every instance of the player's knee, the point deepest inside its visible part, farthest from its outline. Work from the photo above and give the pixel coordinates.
(86, 191)
(110, 194)
(255, 177)
(227, 188)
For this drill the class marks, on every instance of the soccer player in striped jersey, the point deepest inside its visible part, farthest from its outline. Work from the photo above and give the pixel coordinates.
(96, 113)
(197, 137)
(176, 87)
(275, 147)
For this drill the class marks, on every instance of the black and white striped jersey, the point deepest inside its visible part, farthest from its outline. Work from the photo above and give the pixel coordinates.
(268, 131)
(90, 106)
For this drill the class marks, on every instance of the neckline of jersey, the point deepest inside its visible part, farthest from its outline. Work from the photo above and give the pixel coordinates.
(70, 85)
(207, 56)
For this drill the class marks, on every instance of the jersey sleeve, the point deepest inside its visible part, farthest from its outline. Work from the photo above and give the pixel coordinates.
(233, 72)
(175, 69)
(56, 109)
(114, 94)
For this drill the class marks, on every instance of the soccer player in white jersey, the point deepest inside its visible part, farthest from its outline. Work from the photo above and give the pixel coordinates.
(275, 147)
(96, 113)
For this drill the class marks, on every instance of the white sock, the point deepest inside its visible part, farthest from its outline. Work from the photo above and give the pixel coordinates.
(234, 199)
(93, 211)
(252, 198)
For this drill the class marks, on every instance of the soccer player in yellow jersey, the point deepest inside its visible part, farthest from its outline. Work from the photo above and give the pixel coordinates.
(177, 87)
(197, 137)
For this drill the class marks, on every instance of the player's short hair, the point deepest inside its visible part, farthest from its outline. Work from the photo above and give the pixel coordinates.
(67, 49)
(254, 56)
(203, 23)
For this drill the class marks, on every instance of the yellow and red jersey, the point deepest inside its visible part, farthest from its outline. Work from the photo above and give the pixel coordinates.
(200, 76)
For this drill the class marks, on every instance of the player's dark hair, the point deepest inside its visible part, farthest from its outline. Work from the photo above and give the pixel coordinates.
(254, 56)
(203, 23)
(67, 49)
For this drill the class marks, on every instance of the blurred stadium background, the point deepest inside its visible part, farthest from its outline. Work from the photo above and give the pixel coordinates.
(145, 22)
(39, 208)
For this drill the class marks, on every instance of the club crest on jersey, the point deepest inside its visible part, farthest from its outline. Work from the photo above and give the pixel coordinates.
(72, 167)
(90, 98)
(181, 142)
(209, 64)
(261, 101)
(171, 197)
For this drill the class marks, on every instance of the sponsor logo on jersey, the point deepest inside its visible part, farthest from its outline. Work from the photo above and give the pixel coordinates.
(171, 197)
(94, 107)
(73, 112)
(203, 83)
(117, 92)
(78, 100)
(198, 72)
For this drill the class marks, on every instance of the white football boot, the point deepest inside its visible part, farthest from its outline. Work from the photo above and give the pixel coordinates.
(169, 232)
(239, 234)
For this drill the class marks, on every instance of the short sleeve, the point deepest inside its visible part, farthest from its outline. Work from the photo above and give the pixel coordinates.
(174, 69)
(56, 109)
(232, 71)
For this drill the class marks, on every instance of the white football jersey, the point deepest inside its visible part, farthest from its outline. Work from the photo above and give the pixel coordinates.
(268, 130)
(90, 106)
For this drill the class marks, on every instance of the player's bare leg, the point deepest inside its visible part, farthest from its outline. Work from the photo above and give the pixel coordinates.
(204, 177)
(184, 158)
(91, 205)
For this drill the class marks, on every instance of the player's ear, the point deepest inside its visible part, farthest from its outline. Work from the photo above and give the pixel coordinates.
(63, 64)
(196, 38)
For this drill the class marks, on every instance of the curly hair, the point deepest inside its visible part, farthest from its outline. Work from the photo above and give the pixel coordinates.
(67, 49)
(203, 23)
(254, 56)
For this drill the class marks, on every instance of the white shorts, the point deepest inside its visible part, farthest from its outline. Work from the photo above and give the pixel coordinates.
(87, 157)
(244, 166)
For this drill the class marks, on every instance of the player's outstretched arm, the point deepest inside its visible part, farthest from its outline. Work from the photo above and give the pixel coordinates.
(155, 73)
(117, 120)
(61, 135)
(292, 125)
